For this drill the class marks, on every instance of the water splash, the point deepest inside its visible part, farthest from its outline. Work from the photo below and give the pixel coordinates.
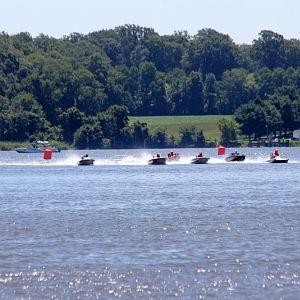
(141, 159)
(71, 159)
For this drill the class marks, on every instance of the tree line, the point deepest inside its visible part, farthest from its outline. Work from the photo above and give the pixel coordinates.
(80, 89)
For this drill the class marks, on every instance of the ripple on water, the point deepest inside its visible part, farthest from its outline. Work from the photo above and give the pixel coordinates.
(134, 231)
(237, 281)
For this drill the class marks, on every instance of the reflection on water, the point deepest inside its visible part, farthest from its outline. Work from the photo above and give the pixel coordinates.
(124, 229)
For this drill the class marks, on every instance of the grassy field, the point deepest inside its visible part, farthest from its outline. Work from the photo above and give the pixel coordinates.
(172, 124)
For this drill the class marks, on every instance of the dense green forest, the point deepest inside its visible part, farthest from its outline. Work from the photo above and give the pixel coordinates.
(80, 89)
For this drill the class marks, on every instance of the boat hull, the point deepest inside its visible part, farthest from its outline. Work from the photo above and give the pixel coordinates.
(173, 158)
(53, 149)
(86, 162)
(36, 150)
(199, 160)
(157, 161)
(233, 158)
(29, 150)
(278, 160)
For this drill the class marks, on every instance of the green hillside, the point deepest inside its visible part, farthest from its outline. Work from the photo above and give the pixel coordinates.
(172, 124)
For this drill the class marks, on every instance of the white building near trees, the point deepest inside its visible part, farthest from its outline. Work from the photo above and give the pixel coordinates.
(296, 134)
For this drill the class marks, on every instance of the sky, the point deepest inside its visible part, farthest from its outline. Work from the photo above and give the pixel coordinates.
(242, 20)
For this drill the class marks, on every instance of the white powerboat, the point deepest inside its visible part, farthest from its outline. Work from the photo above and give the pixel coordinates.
(37, 147)
(173, 157)
(86, 161)
(277, 160)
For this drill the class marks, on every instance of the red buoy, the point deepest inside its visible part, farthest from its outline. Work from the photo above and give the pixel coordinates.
(47, 154)
(221, 150)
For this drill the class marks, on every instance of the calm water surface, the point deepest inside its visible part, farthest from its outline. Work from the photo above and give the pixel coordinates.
(123, 229)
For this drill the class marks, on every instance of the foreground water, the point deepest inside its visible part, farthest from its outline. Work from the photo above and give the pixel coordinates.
(124, 229)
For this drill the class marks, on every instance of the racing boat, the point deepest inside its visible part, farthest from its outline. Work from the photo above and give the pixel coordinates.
(173, 157)
(199, 160)
(86, 161)
(157, 160)
(277, 159)
(37, 147)
(235, 157)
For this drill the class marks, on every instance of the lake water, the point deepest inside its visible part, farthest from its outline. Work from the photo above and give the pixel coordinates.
(123, 229)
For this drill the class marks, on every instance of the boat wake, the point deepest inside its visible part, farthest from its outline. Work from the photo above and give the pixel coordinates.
(124, 160)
